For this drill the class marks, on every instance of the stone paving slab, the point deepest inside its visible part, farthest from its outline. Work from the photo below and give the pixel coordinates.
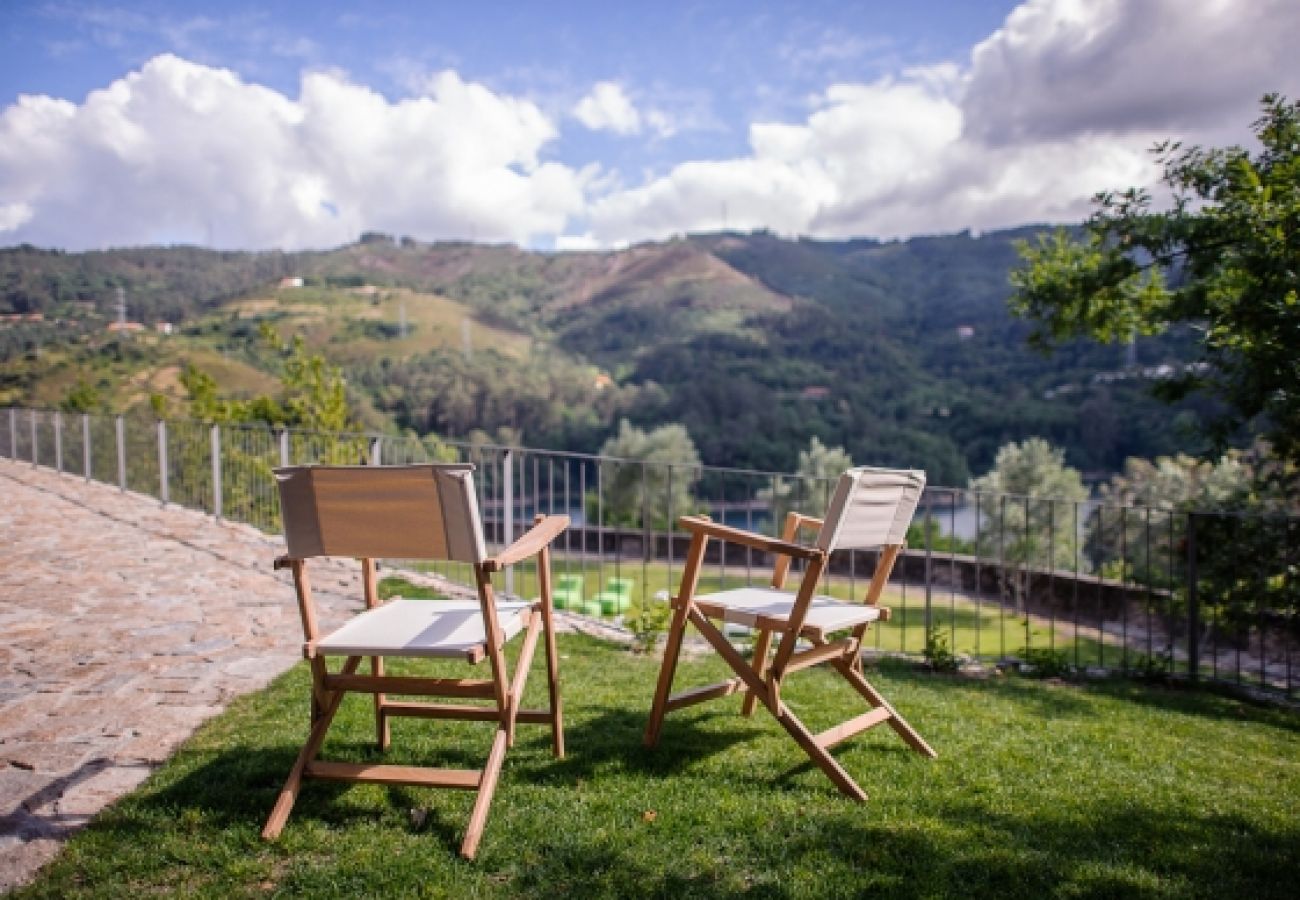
(124, 625)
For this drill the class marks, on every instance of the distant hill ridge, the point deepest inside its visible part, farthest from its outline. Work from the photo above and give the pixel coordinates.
(903, 351)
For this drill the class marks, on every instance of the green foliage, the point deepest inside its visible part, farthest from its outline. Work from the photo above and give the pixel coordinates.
(548, 400)
(927, 534)
(938, 656)
(647, 618)
(753, 343)
(82, 397)
(649, 484)
(1157, 667)
(1235, 524)
(396, 586)
(809, 491)
(1043, 662)
(1225, 257)
(315, 396)
(1138, 532)
(1032, 519)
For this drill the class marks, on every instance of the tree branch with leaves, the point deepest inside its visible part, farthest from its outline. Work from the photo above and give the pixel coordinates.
(1223, 257)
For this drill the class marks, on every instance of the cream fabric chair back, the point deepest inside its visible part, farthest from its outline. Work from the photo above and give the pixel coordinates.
(382, 512)
(871, 508)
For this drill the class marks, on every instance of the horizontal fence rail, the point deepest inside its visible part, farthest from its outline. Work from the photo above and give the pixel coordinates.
(1050, 584)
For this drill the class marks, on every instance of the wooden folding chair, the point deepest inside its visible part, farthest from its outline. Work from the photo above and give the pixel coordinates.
(871, 508)
(414, 512)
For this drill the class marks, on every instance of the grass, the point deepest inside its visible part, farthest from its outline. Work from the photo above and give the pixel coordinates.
(328, 319)
(1104, 789)
(978, 629)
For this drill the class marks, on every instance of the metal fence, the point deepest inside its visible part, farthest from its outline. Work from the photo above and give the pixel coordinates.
(995, 578)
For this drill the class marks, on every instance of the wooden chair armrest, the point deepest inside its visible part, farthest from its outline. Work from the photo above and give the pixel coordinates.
(529, 544)
(811, 522)
(748, 538)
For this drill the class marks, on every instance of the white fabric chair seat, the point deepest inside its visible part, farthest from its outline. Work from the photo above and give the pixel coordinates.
(428, 628)
(744, 606)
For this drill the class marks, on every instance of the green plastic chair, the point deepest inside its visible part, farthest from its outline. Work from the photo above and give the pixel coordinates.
(567, 592)
(616, 597)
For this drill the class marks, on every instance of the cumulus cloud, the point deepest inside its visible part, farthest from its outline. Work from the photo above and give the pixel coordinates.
(1064, 100)
(607, 108)
(178, 151)
(1057, 68)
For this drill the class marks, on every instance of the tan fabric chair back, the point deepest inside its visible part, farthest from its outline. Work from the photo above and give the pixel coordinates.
(871, 508)
(381, 512)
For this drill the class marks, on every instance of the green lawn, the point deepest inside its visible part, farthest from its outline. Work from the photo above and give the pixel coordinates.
(1105, 789)
(984, 629)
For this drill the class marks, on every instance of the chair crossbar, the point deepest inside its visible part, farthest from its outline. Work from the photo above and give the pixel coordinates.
(805, 659)
(411, 685)
(858, 724)
(462, 711)
(704, 694)
(419, 776)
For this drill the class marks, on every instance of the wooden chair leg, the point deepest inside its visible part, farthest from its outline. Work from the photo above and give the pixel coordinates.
(827, 763)
(487, 787)
(668, 669)
(383, 733)
(874, 697)
(522, 667)
(553, 685)
(289, 793)
(761, 646)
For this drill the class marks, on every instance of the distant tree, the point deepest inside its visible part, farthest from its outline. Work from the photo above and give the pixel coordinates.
(1138, 531)
(650, 484)
(82, 397)
(1228, 516)
(1225, 258)
(1028, 508)
(809, 490)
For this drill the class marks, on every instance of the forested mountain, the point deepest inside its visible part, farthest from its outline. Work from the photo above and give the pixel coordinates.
(902, 352)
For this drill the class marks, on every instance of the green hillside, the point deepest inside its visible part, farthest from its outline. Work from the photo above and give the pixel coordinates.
(902, 352)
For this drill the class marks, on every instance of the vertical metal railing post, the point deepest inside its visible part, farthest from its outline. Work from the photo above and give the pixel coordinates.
(31, 417)
(216, 471)
(284, 446)
(508, 510)
(119, 425)
(162, 463)
(929, 607)
(377, 452)
(58, 442)
(1193, 605)
(85, 444)
(13, 433)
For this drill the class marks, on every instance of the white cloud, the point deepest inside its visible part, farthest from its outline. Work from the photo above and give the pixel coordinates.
(178, 151)
(1063, 101)
(1059, 68)
(607, 108)
(14, 214)
(577, 242)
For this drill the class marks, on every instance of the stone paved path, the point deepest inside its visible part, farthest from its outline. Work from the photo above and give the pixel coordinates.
(124, 625)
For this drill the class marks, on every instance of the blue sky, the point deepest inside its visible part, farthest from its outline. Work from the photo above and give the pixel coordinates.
(578, 124)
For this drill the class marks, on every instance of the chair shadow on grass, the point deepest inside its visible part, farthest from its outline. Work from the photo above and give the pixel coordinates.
(1114, 846)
